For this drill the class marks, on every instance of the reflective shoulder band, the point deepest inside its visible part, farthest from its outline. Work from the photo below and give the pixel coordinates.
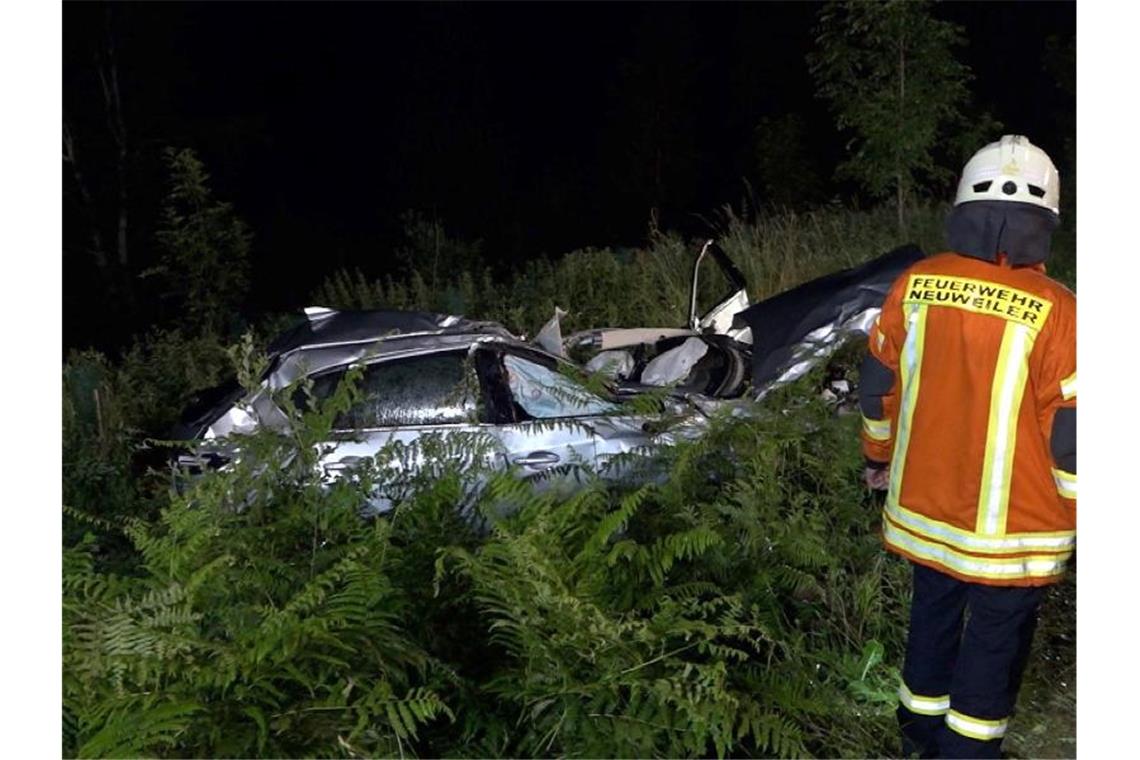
(877, 430)
(1069, 387)
(976, 728)
(923, 705)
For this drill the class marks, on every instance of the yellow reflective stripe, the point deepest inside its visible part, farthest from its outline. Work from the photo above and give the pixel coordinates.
(1001, 437)
(877, 430)
(963, 539)
(910, 366)
(976, 728)
(1069, 387)
(1066, 483)
(1010, 568)
(923, 705)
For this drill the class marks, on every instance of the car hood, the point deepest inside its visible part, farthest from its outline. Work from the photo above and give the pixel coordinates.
(793, 330)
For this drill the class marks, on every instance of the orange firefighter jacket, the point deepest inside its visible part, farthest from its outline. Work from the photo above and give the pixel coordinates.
(983, 358)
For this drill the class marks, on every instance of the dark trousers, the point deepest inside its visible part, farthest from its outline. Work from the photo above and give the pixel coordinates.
(974, 660)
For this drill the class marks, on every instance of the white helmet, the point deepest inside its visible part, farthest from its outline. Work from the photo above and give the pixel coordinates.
(1013, 169)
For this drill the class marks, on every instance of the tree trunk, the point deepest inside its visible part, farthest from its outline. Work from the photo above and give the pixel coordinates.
(108, 70)
(109, 78)
(97, 251)
(900, 195)
(899, 202)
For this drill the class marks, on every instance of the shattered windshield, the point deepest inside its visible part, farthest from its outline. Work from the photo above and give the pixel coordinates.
(544, 393)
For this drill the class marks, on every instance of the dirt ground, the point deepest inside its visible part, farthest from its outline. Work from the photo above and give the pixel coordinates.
(1044, 724)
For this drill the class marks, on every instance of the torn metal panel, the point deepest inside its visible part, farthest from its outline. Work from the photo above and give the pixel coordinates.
(239, 419)
(793, 330)
(316, 313)
(549, 338)
(205, 407)
(719, 319)
(815, 347)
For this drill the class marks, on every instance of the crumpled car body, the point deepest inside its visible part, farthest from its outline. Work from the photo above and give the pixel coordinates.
(738, 348)
(707, 357)
(436, 375)
(451, 378)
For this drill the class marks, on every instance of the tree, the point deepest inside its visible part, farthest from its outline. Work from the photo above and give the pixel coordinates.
(205, 247)
(888, 71)
(104, 55)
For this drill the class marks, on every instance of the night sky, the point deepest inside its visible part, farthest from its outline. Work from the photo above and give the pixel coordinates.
(537, 127)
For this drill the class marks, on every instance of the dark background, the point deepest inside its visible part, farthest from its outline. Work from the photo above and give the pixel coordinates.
(538, 127)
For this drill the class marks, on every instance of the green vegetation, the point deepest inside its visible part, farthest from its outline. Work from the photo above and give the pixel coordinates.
(742, 607)
(644, 286)
(888, 71)
(205, 248)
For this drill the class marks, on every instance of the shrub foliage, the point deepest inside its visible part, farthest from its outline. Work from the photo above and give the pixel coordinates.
(738, 605)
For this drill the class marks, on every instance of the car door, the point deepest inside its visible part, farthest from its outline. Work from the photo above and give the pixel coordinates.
(407, 405)
(543, 419)
(560, 423)
(720, 318)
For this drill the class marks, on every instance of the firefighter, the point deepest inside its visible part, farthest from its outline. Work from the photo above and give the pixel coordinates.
(969, 403)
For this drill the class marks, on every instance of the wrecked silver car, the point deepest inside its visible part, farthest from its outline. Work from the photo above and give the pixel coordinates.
(437, 374)
(447, 376)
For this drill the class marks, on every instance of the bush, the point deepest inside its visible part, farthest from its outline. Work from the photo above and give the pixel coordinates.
(97, 444)
(743, 607)
(262, 620)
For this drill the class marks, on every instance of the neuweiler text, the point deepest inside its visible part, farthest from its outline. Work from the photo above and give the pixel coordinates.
(980, 297)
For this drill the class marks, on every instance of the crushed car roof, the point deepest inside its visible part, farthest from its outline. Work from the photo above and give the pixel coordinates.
(326, 327)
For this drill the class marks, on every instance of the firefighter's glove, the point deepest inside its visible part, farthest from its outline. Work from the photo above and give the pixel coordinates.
(877, 478)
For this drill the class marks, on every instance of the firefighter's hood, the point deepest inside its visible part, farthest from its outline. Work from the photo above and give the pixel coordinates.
(983, 229)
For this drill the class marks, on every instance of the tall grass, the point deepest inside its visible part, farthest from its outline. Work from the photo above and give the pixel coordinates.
(649, 286)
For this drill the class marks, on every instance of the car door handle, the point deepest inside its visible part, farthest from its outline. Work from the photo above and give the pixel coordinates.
(538, 459)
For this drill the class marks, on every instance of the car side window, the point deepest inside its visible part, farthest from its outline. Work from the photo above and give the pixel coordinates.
(416, 390)
(543, 393)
